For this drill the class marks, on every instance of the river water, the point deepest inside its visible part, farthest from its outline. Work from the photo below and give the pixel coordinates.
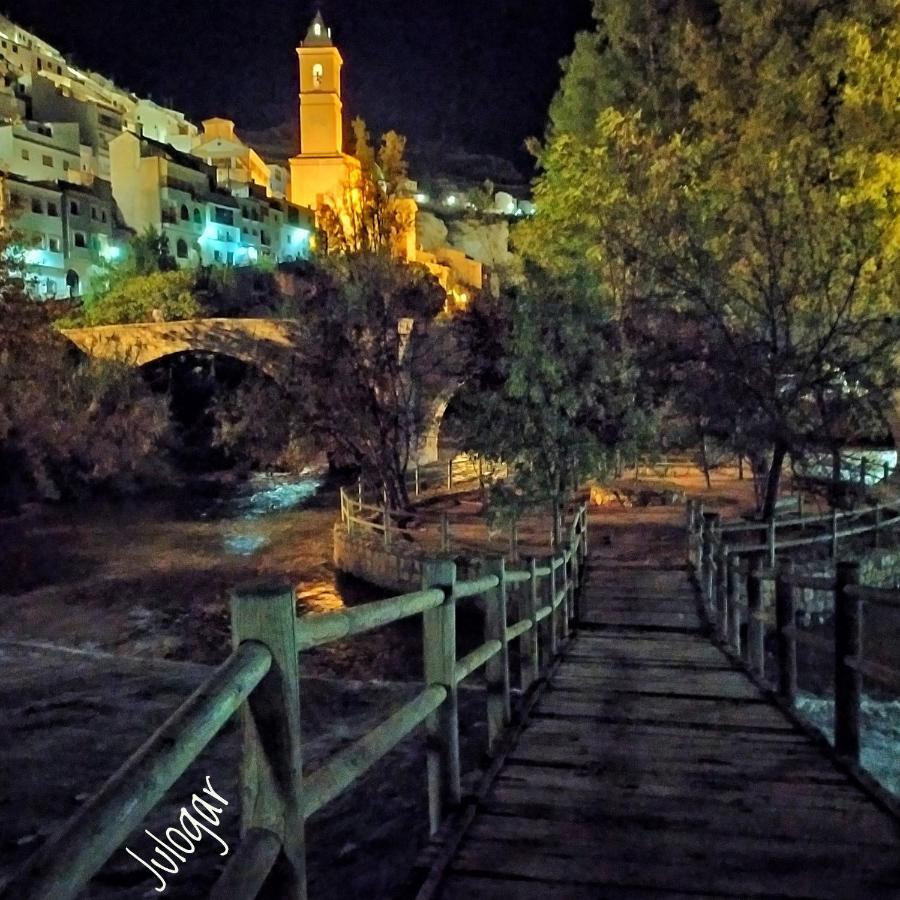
(151, 577)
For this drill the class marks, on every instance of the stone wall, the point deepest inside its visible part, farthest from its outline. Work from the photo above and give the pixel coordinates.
(398, 568)
(394, 569)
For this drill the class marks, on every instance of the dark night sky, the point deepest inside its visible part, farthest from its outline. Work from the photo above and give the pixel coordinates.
(475, 74)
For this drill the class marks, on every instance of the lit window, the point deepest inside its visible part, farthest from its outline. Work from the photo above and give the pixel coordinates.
(318, 74)
(317, 30)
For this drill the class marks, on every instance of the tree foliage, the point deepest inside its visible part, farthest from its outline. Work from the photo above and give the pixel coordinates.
(371, 214)
(551, 390)
(66, 425)
(748, 184)
(368, 349)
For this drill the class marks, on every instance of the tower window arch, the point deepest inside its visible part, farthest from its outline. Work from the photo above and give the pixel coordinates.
(181, 249)
(318, 74)
(185, 215)
(317, 29)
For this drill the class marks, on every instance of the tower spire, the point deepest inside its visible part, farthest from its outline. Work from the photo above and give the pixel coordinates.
(319, 34)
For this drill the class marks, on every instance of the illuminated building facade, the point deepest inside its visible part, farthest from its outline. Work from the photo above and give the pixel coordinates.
(178, 194)
(68, 231)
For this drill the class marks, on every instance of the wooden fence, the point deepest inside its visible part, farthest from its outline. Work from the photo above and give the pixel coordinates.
(731, 576)
(261, 679)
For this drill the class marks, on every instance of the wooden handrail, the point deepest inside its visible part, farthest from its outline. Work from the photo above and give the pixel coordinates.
(261, 679)
(68, 860)
(720, 576)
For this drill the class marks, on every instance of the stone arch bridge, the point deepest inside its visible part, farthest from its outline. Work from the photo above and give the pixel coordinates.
(266, 344)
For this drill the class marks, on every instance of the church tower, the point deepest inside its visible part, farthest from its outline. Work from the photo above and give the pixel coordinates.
(322, 170)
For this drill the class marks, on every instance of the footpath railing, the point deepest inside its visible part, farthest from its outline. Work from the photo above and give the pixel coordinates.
(261, 679)
(731, 575)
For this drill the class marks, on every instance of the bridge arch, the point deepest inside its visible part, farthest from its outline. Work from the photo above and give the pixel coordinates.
(265, 344)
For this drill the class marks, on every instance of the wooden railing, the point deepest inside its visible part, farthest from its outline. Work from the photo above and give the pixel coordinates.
(731, 577)
(425, 529)
(261, 678)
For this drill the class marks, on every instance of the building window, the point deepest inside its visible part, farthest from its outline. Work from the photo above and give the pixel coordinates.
(181, 248)
(185, 214)
(217, 256)
(52, 208)
(73, 208)
(94, 214)
(65, 165)
(54, 245)
(37, 206)
(318, 74)
(103, 215)
(197, 217)
(48, 161)
(317, 30)
(26, 154)
(80, 239)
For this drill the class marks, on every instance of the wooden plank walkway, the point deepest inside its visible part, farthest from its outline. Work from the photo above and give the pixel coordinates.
(652, 767)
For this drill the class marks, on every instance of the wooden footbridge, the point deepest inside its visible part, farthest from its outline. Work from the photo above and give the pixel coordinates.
(653, 766)
(633, 756)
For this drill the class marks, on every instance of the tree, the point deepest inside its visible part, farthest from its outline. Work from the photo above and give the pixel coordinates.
(158, 296)
(65, 425)
(762, 211)
(367, 353)
(551, 391)
(371, 215)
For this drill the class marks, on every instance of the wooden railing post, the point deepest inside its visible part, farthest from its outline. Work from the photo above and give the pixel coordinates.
(710, 529)
(756, 632)
(800, 508)
(863, 467)
(416, 472)
(887, 470)
(529, 643)
(499, 708)
(554, 615)
(785, 617)
(359, 491)
(386, 521)
(770, 542)
(442, 726)
(834, 534)
(732, 562)
(445, 533)
(271, 765)
(722, 590)
(847, 679)
(691, 531)
(449, 474)
(877, 536)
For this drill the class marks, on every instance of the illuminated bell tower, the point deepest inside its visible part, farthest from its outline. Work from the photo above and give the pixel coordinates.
(322, 169)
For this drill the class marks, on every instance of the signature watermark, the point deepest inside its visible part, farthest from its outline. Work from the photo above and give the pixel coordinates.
(180, 842)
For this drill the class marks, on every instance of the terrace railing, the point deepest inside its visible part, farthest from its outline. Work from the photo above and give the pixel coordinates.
(261, 679)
